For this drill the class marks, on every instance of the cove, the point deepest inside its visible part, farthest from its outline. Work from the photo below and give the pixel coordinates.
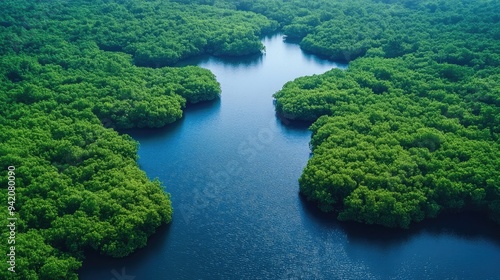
(232, 166)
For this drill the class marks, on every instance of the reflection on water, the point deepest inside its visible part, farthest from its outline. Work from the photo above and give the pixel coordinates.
(231, 167)
(244, 62)
(147, 134)
(467, 226)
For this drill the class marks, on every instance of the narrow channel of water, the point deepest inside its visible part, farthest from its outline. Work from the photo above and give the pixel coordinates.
(232, 168)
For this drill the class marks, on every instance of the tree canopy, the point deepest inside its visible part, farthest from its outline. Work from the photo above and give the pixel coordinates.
(71, 75)
(411, 129)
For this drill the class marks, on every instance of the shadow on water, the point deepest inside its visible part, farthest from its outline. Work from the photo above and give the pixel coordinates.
(292, 124)
(230, 61)
(468, 226)
(323, 60)
(318, 59)
(141, 134)
(155, 244)
(205, 106)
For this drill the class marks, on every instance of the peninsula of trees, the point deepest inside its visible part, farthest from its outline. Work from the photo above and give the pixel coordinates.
(71, 74)
(411, 129)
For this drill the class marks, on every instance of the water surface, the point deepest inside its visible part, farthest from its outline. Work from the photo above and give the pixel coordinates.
(231, 167)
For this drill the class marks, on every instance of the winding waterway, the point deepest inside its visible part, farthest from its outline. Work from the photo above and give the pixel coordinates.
(231, 167)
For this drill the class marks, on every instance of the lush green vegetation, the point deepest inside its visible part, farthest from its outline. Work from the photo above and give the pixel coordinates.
(70, 76)
(390, 149)
(412, 128)
(156, 33)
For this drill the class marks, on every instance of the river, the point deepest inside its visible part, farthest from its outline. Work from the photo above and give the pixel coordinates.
(232, 166)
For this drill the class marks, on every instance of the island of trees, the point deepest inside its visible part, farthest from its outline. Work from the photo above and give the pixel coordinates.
(409, 131)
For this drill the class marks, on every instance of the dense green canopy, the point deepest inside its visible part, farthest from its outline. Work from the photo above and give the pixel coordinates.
(393, 151)
(70, 76)
(412, 128)
(157, 33)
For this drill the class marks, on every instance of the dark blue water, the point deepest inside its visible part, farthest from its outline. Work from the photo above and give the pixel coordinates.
(232, 168)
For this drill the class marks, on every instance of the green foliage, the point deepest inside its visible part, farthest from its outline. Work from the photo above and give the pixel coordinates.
(409, 131)
(397, 140)
(36, 259)
(68, 80)
(78, 187)
(454, 31)
(155, 33)
(413, 126)
(390, 169)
